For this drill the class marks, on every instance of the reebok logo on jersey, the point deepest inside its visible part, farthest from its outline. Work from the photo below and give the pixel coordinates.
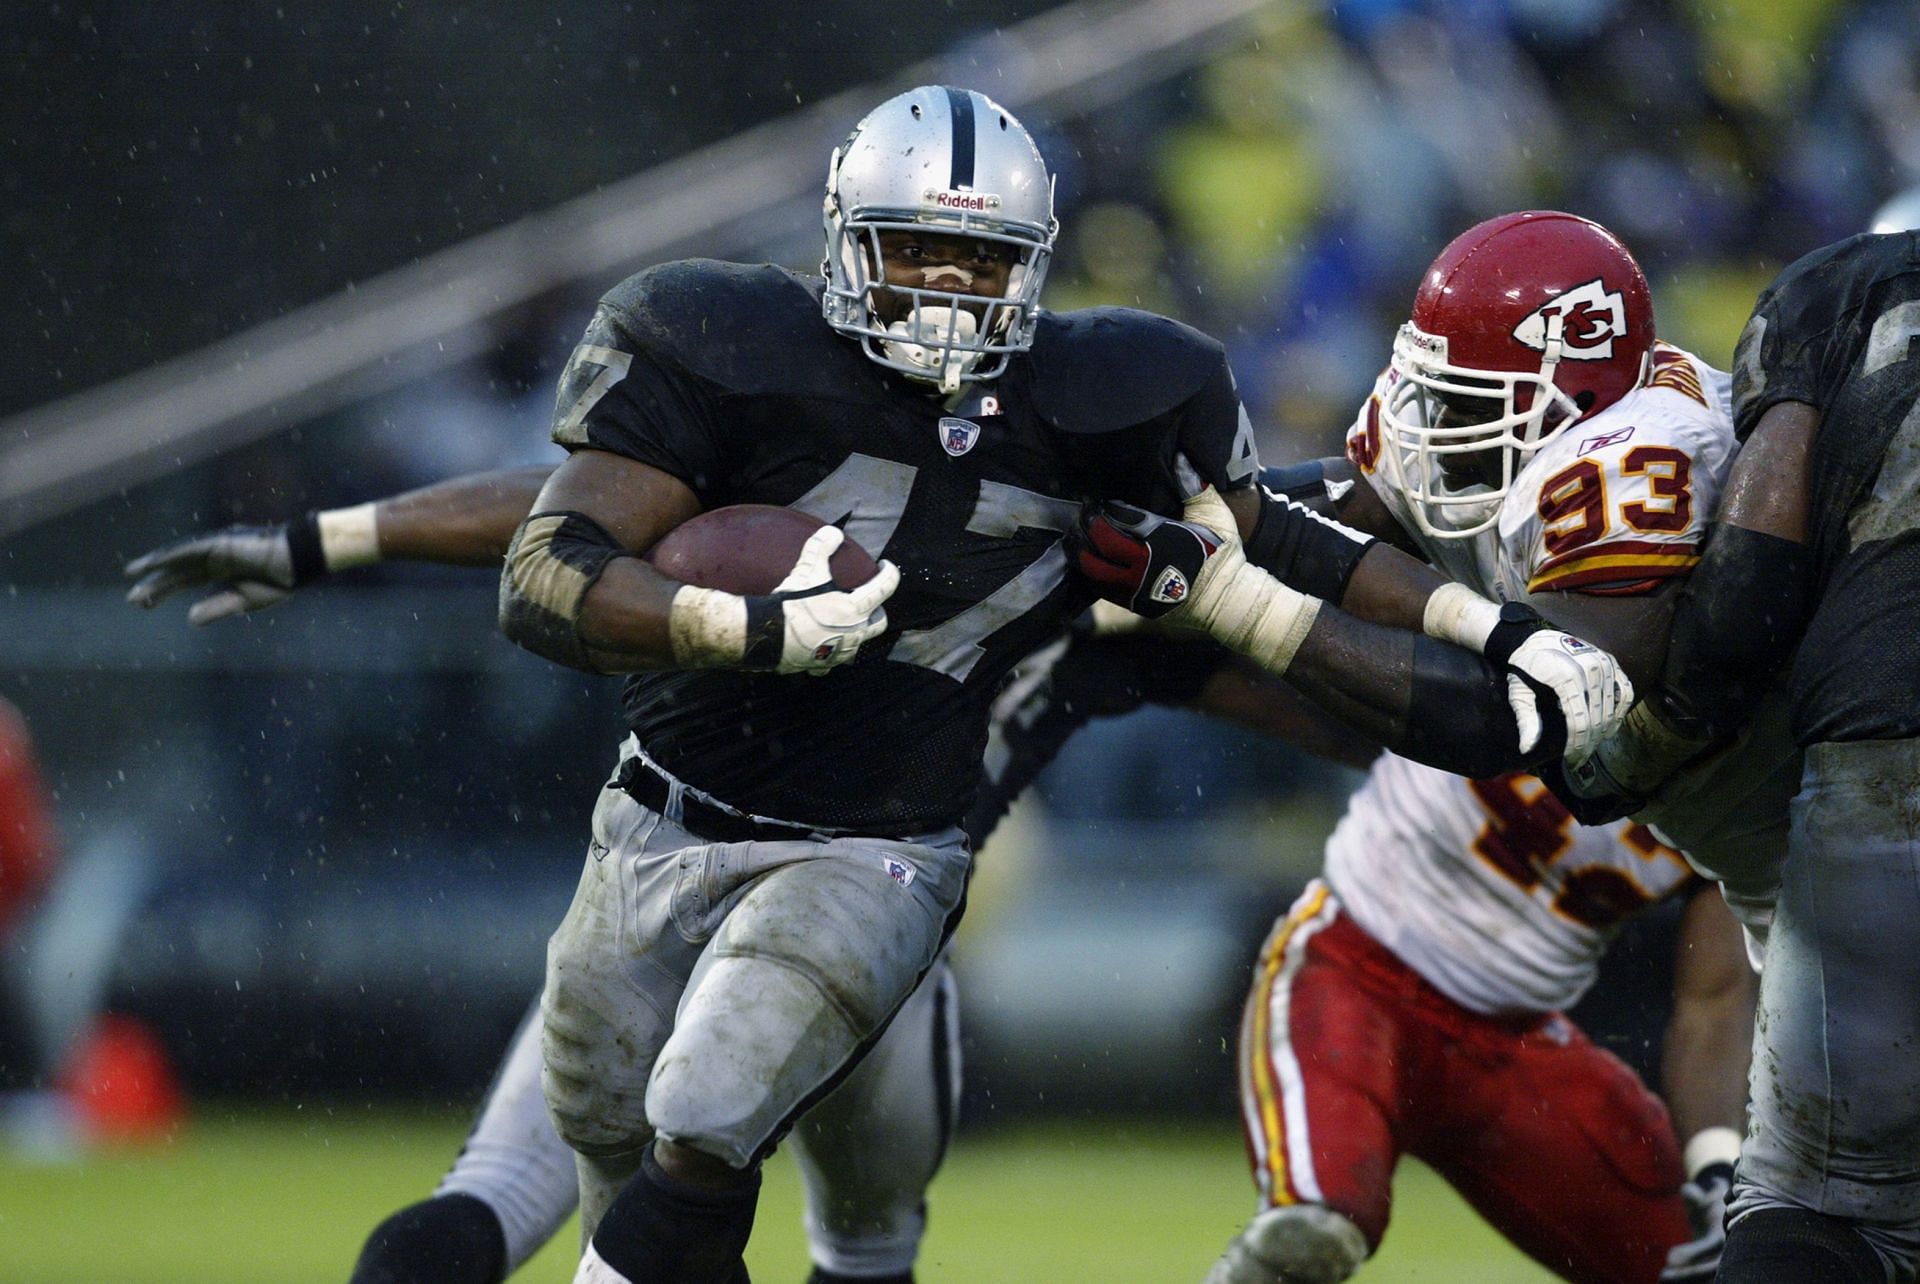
(1591, 318)
(1613, 438)
(898, 870)
(1170, 588)
(957, 436)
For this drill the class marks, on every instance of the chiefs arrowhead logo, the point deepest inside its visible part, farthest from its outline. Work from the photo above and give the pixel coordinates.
(1591, 318)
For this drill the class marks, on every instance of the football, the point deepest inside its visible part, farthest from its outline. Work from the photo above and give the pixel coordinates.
(749, 548)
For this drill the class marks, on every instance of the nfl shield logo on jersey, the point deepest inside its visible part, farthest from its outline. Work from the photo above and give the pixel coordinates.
(898, 870)
(958, 436)
(1170, 588)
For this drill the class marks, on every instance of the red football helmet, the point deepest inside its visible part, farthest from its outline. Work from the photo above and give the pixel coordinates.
(1524, 324)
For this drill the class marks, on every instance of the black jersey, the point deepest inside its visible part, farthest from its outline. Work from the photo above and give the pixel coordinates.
(1836, 331)
(727, 377)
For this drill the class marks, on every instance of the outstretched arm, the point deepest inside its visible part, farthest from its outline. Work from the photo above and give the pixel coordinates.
(1496, 691)
(465, 521)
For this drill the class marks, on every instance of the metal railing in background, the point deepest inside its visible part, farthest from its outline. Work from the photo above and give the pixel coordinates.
(723, 199)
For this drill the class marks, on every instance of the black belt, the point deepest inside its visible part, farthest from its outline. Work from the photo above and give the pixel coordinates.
(698, 816)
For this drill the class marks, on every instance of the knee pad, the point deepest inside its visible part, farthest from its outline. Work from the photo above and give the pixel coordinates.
(755, 1041)
(1771, 1244)
(1297, 1244)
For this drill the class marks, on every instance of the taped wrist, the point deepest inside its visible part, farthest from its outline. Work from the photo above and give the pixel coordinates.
(555, 558)
(1736, 622)
(1306, 551)
(335, 539)
(1646, 750)
(708, 628)
(1255, 614)
(1457, 614)
(1458, 718)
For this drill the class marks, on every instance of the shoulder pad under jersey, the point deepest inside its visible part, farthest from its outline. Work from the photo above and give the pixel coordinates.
(1800, 341)
(749, 328)
(1102, 369)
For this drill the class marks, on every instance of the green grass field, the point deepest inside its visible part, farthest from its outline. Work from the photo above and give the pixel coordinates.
(287, 1198)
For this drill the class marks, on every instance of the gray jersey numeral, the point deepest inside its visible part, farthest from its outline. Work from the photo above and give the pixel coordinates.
(869, 496)
(1892, 333)
(599, 368)
(954, 647)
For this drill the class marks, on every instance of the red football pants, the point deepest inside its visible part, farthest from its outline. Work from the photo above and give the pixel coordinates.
(1348, 1060)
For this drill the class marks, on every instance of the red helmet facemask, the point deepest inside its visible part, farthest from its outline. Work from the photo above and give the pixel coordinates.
(1523, 325)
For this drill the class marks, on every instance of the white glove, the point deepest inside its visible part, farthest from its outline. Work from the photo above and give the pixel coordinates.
(250, 567)
(1592, 690)
(805, 625)
(819, 626)
(1697, 1260)
(1587, 683)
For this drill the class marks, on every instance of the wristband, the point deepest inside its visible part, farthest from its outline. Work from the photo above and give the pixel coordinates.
(348, 536)
(707, 628)
(1710, 1146)
(1457, 614)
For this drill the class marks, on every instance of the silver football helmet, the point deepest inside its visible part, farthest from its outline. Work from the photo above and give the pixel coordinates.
(947, 159)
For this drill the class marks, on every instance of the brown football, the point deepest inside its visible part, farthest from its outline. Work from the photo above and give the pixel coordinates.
(749, 548)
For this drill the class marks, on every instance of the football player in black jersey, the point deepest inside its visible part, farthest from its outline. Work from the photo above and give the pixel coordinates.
(777, 858)
(1813, 572)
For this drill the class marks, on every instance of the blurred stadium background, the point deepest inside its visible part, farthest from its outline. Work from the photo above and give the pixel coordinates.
(271, 257)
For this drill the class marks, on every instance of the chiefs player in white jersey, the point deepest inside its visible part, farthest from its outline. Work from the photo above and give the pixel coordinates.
(1532, 440)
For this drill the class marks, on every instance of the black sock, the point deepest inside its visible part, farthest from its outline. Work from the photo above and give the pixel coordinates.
(1775, 1245)
(449, 1239)
(661, 1230)
(821, 1275)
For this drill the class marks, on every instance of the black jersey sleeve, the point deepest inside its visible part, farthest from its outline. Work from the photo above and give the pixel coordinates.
(1149, 406)
(1216, 434)
(1802, 339)
(621, 393)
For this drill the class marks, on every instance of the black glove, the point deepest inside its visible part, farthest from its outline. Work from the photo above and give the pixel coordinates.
(249, 567)
(1140, 560)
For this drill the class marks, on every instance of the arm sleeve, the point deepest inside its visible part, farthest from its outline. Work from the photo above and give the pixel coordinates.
(1306, 551)
(621, 394)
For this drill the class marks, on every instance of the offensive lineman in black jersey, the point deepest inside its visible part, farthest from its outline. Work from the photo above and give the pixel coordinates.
(777, 859)
(1813, 570)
